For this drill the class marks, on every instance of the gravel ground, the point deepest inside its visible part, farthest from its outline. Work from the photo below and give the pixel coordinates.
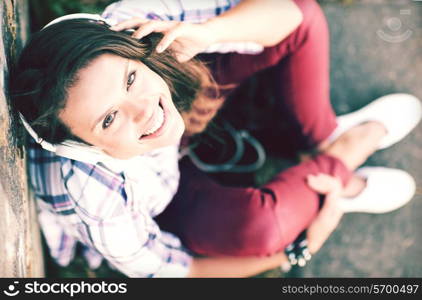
(375, 50)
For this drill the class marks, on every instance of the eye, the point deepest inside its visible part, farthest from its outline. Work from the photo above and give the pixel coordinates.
(108, 120)
(130, 80)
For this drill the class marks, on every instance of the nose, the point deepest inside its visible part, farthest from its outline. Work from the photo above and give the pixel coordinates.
(140, 110)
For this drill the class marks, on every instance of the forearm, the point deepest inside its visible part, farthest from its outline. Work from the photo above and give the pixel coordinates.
(265, 22)
(234, 266)
(322, 226)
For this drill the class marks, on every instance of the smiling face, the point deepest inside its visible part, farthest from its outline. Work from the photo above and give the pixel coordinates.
(122, 107)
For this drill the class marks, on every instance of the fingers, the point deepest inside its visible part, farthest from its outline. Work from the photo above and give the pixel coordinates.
(146, 27)
(169, 38)
(183, 57)
(129, 24)
(182, 52)
(152, 26)
(322, 183)
(191, 40)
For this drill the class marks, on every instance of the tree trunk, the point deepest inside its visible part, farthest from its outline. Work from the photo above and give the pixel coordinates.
(20, 246)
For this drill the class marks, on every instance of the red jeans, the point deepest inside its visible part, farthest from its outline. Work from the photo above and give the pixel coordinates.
(212, 219)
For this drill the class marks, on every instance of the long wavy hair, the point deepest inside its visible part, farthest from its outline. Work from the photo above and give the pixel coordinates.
(49, 63)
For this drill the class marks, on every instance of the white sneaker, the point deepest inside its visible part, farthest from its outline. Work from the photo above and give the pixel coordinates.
(399, 113)
(386, 190)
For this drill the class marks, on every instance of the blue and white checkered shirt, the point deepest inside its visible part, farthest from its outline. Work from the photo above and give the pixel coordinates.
(109, 211)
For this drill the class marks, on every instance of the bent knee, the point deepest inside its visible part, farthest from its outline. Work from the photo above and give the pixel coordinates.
(309, 10)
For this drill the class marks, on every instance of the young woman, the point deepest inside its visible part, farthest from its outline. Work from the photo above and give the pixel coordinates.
(107, 110)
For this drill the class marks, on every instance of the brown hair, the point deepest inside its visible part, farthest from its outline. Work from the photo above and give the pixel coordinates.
(49, 63)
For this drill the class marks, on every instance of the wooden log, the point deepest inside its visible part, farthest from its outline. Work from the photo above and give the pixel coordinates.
(20, 246)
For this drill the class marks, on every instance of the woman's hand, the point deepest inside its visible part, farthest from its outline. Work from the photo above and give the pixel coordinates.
(330, 213)
(186, 39)
(326, 185)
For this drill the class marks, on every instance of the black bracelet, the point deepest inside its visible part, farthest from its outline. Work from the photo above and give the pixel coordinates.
(298, 252)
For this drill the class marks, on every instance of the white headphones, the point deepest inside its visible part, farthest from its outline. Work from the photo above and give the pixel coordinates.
(69, 148)
(93, 17)
(72, 149)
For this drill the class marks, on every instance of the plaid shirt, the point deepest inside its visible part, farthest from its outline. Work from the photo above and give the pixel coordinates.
(109, 210)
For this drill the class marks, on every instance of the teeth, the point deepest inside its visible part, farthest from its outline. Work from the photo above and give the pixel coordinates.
(158, 122)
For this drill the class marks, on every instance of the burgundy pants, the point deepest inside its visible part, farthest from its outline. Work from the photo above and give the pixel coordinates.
(212, 219)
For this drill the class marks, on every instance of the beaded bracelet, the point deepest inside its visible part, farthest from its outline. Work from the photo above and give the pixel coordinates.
(297, 252)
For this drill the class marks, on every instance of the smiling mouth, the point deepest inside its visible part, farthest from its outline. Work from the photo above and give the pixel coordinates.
(158, 123)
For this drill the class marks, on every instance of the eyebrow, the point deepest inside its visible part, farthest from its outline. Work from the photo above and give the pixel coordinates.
(125, 78)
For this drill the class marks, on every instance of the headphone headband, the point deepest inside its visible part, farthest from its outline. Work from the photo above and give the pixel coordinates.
(92, 17)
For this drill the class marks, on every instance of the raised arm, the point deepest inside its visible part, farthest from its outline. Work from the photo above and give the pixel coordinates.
(265, 22)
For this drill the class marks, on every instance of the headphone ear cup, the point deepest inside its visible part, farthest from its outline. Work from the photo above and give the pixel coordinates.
(81, 152)
(68, 149)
